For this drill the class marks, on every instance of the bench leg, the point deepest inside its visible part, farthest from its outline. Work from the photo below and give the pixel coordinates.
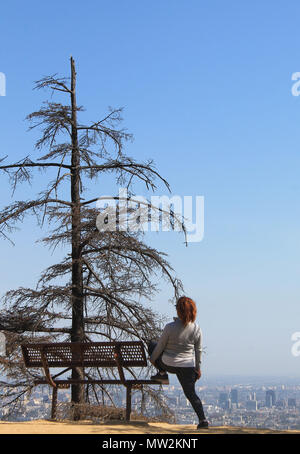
(54, 403)
(128, 402)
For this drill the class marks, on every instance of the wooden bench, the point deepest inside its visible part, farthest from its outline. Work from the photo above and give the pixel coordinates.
(70, 355)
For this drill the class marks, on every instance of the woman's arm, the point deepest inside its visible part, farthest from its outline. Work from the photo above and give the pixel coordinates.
(161, 344)
(198, 349)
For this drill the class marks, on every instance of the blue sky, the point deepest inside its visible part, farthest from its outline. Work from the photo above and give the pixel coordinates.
(206, 91)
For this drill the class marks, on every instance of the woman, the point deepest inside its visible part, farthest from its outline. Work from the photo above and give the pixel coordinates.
(178, 351)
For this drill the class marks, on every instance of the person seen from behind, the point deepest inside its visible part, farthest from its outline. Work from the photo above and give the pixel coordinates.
(178, 351)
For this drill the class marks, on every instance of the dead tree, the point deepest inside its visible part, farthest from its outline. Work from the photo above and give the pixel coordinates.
(96, 291)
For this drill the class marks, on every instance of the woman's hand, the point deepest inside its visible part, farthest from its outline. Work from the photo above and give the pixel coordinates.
(198, 372)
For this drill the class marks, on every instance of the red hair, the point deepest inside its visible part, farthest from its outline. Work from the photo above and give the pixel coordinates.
(186, 310)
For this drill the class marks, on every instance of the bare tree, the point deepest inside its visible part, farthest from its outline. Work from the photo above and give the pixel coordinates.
(98, 291)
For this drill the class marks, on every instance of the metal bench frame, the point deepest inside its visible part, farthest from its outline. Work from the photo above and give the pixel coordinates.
(70, 355)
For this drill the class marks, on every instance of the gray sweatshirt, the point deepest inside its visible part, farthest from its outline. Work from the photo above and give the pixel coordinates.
(180, 342)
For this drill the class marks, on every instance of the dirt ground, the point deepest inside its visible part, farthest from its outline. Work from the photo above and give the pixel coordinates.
(134, 427)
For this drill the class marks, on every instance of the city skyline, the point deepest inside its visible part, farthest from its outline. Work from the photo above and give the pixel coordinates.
(233, 404)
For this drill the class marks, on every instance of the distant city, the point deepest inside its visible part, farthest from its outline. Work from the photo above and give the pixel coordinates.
(257, 402)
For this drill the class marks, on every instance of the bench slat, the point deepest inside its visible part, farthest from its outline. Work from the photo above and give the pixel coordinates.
(96, 354)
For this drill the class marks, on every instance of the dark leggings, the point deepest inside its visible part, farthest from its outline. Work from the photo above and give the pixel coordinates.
(187, 378)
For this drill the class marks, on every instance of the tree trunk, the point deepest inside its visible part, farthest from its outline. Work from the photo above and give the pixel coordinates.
(77, 331)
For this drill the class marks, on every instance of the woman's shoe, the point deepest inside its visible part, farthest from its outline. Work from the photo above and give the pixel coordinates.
(203, 424)
(161, 378)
